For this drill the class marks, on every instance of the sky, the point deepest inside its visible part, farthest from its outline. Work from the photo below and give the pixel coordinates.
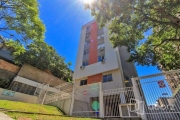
(63, 20)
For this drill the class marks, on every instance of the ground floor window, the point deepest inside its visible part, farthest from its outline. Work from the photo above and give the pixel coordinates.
(22, 88)
(83, 82)
(107, 78)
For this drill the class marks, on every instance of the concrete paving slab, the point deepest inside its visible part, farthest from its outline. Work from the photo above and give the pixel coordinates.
(4, 117)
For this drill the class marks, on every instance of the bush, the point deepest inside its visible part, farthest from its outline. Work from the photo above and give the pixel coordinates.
(4, 83)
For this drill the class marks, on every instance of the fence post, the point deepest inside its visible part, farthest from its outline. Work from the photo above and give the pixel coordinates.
(138, 98)
(101, 104)
(44, 98)
(72, 100)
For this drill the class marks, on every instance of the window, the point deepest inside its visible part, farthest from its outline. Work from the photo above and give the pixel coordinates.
(85, 63)
(87, 42)
(87, 35)
(100, 37)
(107, 78)
(100, 58)
(127, 78)
(83, 82)
(86, 51)
(101, 46)
(88, 28)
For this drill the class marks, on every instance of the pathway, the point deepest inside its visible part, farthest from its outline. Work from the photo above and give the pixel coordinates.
(4, 117)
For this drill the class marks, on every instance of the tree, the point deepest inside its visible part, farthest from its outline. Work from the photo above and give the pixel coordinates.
(19, 20)
(41, 56)
(129, 20)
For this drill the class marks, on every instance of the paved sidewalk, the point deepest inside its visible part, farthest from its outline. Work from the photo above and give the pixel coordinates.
(4, 117)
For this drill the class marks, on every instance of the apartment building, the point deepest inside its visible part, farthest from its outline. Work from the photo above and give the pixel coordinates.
(98, 61)
(100, 67)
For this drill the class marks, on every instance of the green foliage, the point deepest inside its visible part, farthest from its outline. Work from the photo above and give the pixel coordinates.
(44, 57)
(18, 48)
(130, 19)
(4, 83)
(20, 20)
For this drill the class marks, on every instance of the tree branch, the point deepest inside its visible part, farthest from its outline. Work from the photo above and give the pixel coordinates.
(166, 41)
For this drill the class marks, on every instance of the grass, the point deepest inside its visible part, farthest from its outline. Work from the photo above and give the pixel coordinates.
(34, 108)
(19, 116)
(27, 107)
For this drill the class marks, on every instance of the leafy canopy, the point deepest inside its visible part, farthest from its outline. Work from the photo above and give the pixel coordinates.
(41, 56)
(129, 20)
(19, 20)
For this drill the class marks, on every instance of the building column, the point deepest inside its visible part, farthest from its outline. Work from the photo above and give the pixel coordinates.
(101, 104)
(45, 94)
(72, 100)
(138, 99)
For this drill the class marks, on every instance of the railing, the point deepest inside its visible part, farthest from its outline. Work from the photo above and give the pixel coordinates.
(60, 92)
(56, 97)
(117, 100)
(160, 94)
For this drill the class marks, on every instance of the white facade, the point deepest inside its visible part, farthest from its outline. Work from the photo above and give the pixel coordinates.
(113, 63)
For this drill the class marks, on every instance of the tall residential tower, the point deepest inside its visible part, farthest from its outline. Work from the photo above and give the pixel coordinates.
(98, 61)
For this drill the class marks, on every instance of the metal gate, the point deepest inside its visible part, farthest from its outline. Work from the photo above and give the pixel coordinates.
(160, 95)
(117, 102)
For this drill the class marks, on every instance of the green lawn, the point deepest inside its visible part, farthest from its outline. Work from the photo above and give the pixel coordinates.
(27, 107)
(19, 116)
(34, 108)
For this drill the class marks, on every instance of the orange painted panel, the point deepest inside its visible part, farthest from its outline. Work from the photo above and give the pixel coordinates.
(94, 79)
(93, 44)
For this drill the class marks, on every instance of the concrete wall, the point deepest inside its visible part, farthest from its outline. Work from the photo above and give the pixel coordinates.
(63, 105)
(128, 67)
(81, 106)
(18, 97)
(9, 67)
(116, 83)
(7, 75)
(37, 75)
(7, 72)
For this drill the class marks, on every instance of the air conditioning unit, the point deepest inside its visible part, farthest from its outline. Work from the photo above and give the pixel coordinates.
(103, 61)
(82, 67)
(101, 36)
(128, 110)
(101, 48)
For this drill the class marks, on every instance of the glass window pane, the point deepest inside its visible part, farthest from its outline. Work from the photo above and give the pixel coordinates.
(32, 91)
(87, 63)
(102, 57)
(99, 58)
(84, 64)
(105, 78)
(19, 86)
(85, 82)
(110, 77)
(81, 83)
